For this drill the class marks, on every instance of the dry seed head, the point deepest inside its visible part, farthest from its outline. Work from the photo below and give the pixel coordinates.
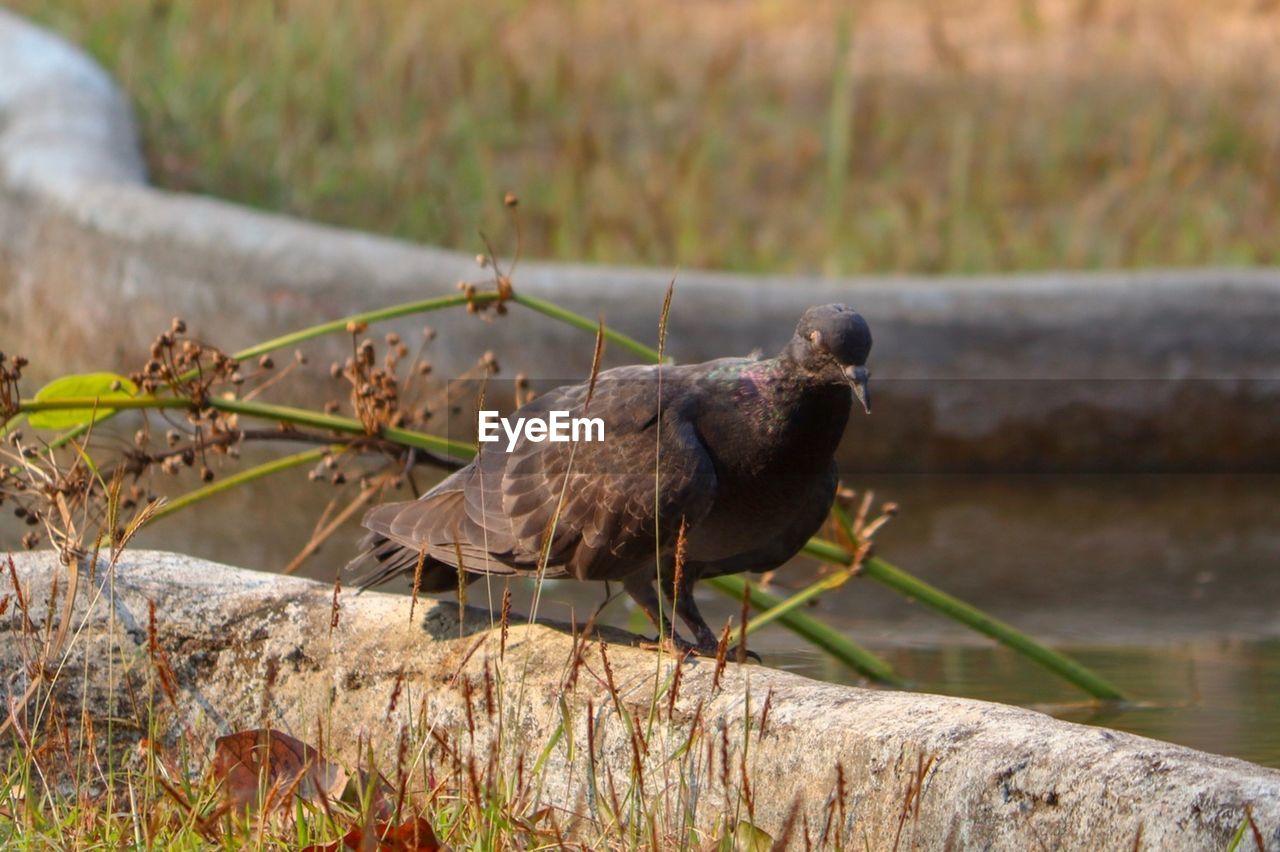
(356, 327)
(266, 363)
(510, 199)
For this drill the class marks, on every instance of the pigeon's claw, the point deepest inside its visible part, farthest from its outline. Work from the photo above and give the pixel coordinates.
(672, 644)
(676, 646)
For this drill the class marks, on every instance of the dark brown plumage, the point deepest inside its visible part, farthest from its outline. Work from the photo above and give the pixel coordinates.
(739, 450)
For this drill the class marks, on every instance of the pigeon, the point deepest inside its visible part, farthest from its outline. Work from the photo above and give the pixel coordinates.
(732, 459)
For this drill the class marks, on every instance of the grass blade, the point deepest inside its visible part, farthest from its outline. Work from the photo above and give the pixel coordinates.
(812, 630)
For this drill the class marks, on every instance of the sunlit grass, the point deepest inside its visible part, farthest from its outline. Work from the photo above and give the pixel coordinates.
(1007, 136)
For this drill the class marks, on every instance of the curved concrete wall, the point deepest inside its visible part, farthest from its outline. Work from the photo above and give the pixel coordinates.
(1111, 371)
(920, 771)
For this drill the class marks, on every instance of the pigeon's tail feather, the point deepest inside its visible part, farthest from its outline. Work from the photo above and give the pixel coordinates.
(384, 559)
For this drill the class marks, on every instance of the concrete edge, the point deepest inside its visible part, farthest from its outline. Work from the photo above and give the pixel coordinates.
(995, 776)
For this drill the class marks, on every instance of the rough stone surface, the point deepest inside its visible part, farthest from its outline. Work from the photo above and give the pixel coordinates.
(995, 776)
(1109, 371)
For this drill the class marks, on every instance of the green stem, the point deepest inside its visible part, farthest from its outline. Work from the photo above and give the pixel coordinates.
(576, 320)
(309, 333)
(239, 478)
(336, 423)
(799, 599)
(102, 404)
(811, 629)
(970, 616)
(264, 411)
(394, 312)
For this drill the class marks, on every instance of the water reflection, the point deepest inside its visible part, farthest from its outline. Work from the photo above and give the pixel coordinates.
(1218, 695)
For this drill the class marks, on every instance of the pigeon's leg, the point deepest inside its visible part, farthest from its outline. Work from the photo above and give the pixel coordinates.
(708, 644)
(687, 608)
(641, 590)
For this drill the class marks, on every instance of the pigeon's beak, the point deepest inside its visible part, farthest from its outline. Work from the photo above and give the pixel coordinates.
(857, 377)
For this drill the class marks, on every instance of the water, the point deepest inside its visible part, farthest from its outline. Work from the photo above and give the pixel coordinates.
(1217, 695)
(1168, 585)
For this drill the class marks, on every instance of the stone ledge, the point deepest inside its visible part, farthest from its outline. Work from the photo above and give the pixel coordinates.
(1001, 777)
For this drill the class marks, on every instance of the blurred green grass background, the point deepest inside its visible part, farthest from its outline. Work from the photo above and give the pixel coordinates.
(892, 136)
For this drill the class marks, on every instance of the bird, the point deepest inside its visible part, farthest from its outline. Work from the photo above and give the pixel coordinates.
(733, 459)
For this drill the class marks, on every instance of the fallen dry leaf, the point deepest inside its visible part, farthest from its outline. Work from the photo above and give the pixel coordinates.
(273, 764)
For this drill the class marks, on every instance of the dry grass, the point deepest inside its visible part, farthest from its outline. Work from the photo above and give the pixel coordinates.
(956, 137)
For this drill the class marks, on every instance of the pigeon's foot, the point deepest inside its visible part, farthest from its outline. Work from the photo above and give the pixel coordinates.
(747, 652)
(679, 647)
(673, 645)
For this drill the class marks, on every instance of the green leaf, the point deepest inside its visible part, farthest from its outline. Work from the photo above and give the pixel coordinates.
(105, 386)
(750, 837)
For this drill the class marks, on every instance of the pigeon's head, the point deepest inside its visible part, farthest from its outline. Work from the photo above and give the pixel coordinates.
(835, 340)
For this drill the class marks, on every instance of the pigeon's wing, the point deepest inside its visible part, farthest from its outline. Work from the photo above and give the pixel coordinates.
(586, 508)
(807, 517)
